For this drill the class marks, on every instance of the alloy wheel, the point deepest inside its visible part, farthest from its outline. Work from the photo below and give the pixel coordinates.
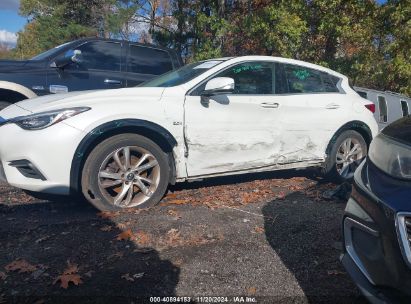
(349, 155)
(129, 176)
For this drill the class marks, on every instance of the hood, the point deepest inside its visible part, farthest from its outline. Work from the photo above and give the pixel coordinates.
(8, 66)
(88, 98)
(400, 130)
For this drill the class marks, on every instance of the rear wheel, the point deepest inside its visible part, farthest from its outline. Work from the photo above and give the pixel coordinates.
(4, 104)
(345, 156)
(125, 171)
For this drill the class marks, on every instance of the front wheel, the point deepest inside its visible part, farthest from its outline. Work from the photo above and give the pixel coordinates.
(125, 171)
(345, 156)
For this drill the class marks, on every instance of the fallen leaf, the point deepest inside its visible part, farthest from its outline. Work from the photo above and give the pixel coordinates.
(142, 238)
(177, 202)
(281, 195)
(89, 274)
(116, 255)
(3, 275)
(70, 275)
(335, 272)
(21, 265)
(173, 213)
(251, 291)
(42, 239)
(121, 226)
(67, 279)
(106, 228)
(259, 229)
(127, 277)
(125, 235)
(107, 214)
(171, 195)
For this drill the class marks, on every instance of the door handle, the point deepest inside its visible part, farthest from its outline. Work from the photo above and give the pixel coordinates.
(272, 105)
(112, 81)
(332, 106)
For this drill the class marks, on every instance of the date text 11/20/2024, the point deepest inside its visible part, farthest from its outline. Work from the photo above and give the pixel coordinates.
(237, 299)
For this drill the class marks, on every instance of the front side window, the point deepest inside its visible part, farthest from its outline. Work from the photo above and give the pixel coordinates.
(145, 60)
(101, 55)
(251, 78)
(404, 108)
(382, 106)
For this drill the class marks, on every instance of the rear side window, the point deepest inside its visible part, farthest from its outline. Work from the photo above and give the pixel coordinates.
(101, 55)
(145, 60)
(362, 94)
(404, 108)
(330, 82)
(300, 79)
(382, 106)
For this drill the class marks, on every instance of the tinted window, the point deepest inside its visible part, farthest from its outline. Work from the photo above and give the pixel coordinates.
(330, 82)
(147, 60)
(404, 108)
(101, 55)
(298, 79)
(362, 94)
(251, 77)
(382, 106)
(303, 80)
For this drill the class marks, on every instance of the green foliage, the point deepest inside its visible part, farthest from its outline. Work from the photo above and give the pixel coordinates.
(367, 41)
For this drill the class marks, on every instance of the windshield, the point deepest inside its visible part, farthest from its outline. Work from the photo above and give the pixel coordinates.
(50, 52)
(182, 75)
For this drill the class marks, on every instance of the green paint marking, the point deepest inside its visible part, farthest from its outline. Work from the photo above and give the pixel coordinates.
(243, 68)
(301, 74)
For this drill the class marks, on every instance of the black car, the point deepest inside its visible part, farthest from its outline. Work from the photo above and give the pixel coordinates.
(377, 219)
(84, 64)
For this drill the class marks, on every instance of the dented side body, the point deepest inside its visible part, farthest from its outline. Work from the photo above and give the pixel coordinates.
(233, 134)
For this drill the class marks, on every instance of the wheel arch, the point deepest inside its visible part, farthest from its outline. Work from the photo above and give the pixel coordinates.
(152, 131)
(14, 92)
(355, 125)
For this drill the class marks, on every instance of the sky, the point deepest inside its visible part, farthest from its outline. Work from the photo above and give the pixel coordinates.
(11, 22)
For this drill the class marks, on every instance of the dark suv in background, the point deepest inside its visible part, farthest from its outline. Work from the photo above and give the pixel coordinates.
(377, 220)
(84, 64)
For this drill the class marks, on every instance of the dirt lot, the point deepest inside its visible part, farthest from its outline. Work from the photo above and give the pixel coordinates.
(272, 237)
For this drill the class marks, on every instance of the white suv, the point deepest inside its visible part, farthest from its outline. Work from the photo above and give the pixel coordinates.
(122, 148)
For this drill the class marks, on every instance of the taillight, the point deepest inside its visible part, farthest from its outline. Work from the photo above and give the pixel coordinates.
(371, 107)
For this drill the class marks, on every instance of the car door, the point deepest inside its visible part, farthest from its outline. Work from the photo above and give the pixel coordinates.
(144, 63)
(313, 108)
(99, 67)
(238, 131)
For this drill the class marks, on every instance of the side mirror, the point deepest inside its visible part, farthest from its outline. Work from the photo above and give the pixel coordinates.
(71, 56)
(219, 85)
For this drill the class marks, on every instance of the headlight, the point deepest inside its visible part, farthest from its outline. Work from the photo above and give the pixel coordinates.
(390, 156)
(46, 119)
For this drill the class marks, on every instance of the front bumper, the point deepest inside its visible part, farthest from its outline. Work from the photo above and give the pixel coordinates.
(373, 294)
(372, 252)
(49, 151)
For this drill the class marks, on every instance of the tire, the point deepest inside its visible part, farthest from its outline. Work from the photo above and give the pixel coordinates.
(4, 104)
(111, 183)
(342, 169)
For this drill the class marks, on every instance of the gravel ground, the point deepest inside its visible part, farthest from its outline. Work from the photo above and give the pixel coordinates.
(269, 237)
